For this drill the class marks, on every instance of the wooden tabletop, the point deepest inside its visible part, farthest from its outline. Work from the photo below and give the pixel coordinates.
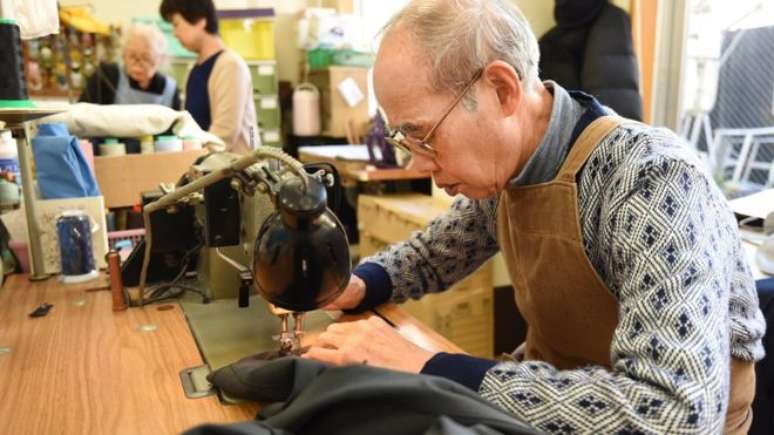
(83, 369)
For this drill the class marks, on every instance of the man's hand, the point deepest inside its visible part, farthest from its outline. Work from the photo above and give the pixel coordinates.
(350, 297)
(371, 342)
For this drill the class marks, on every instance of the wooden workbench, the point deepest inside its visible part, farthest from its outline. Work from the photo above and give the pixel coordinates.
(83, 369)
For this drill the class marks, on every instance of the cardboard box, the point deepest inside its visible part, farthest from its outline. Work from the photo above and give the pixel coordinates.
(121, 179)
(334, 109)
(465, 312)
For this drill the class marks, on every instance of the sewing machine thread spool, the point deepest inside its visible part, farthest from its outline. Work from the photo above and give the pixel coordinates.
(116, 284)
(13, 86)
(75, 246)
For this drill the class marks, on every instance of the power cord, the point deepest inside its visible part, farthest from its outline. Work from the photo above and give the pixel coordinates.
(175, 289)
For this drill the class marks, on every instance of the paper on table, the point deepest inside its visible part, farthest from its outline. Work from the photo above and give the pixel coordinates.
(340, 152)
(350, 91)
(757, 205)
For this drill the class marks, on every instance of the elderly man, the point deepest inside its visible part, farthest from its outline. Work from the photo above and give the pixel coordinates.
(626, 262)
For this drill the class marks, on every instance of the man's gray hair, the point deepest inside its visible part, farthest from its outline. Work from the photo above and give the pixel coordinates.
(463, 36)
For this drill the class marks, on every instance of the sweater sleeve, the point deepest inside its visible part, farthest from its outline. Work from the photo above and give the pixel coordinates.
(451, 247)
(230, 92)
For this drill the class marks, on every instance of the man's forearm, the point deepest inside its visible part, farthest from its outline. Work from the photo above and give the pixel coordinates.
(450, 248)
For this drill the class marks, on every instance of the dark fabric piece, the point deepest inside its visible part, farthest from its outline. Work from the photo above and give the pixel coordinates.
(463, 369)
(763, 418)
(197, 96)
(378, 286)
(255, 378)
(447, 426)
(574, 13)
(357, 400)
(101, 86)
(597, 58)
(246, 428)
(444, 426)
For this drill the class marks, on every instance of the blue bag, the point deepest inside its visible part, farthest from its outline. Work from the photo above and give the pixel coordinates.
(61, 168)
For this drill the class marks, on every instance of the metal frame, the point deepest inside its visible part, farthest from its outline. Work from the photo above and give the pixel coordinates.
(670, 51)
(720, 155)
(17, 120)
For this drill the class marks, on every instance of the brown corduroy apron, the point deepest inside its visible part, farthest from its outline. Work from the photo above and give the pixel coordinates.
(570, 312)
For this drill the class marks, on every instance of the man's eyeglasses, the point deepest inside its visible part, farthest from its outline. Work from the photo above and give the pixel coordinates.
(411, 145)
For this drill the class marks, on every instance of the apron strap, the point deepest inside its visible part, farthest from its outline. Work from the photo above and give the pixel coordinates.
(586, 143)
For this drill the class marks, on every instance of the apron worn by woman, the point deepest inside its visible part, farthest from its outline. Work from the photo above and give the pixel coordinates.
(125, 94)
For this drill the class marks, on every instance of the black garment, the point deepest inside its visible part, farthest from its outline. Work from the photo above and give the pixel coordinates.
(763, 419)
(197, 94)
(354, 400)
(593, 52)
(101, 86)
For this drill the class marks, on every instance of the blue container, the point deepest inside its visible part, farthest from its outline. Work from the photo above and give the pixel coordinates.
(75, 246)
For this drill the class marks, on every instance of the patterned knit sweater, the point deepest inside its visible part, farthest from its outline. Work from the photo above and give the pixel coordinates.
(659, 233)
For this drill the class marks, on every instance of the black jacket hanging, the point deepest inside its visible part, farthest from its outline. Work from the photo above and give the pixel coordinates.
(591, 50)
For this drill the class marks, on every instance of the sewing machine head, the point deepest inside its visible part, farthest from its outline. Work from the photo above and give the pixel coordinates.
(265, 217)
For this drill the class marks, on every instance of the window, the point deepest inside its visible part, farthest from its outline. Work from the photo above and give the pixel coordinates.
(727, 101)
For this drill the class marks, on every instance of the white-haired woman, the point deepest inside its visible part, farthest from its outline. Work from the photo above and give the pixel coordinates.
(137, 81)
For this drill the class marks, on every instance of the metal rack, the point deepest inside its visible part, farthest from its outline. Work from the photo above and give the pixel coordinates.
(17, 120)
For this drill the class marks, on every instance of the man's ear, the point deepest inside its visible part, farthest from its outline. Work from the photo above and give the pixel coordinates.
(506, 84)
(201, 24)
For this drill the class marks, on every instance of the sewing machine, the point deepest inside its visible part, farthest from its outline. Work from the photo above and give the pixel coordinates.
(256, 223)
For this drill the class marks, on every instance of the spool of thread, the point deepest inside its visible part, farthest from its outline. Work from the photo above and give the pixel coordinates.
(167, 144)
(7, 145)
(116, 284)
(75, 246)
(146, 145)
(9, 157)
(112, 149)
(11, 166)
(13, 86)
(9, 194)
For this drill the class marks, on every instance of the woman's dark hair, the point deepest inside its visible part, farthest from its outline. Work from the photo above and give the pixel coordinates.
(192, 11)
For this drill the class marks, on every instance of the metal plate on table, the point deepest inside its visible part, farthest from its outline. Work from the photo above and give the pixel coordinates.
(226, 333)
